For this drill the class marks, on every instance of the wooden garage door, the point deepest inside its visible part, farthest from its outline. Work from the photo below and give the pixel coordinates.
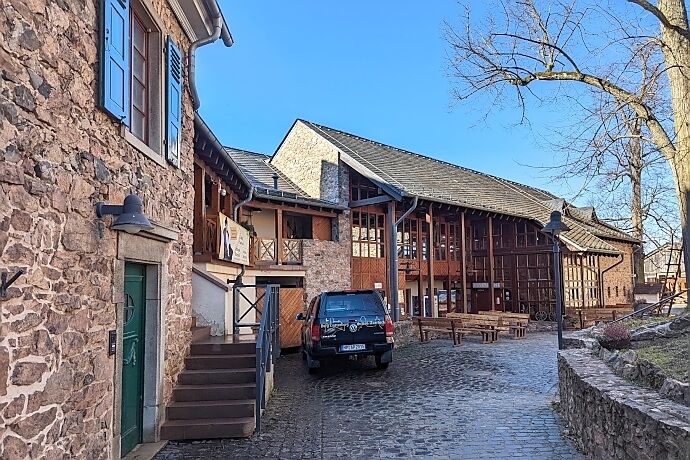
(291, 303)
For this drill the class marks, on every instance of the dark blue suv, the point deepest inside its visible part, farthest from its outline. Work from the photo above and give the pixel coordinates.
(346, 323)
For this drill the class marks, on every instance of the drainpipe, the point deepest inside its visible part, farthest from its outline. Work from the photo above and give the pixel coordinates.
(408, 212)
(218, 29)
(236, 208)
(601, 282)
(393, 238)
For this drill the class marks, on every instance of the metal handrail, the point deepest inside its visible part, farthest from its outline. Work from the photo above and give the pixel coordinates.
(649, 308)
(267, 346)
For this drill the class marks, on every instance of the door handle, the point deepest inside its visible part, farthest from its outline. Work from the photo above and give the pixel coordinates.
(132, 355)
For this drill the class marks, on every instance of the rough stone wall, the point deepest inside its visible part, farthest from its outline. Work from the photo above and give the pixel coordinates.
(620, 275)
(311, 162)
(60, 154)
(327, 263)
(610, 418)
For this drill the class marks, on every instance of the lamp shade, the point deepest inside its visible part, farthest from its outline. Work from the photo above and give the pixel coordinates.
(555, 225)
(132, 218)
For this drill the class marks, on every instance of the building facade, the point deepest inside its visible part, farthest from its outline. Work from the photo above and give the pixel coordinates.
(96, 103)
(434, 237)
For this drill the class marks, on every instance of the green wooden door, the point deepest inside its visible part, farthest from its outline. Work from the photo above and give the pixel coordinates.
(133, 357)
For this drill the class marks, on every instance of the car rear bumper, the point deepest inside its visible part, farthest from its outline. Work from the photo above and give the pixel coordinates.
(320, 351)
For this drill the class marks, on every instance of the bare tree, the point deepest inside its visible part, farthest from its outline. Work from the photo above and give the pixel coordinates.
(526, 42)
(607, 148)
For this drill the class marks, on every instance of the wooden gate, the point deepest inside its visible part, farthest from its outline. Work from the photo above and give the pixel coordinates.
(291, 303)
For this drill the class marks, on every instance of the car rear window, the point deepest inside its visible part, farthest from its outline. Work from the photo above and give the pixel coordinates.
(354, 304)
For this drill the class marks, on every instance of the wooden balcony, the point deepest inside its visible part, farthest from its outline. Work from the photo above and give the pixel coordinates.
(265, 251)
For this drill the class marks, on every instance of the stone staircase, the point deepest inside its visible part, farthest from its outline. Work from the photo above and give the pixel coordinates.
(215, 394)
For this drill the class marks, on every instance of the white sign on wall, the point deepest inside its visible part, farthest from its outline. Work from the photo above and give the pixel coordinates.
(234, 241)
(484, 285)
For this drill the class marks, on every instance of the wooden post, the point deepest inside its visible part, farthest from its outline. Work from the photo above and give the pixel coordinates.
(199, 209)
(463, 268)
(279, 236)
(393, 263)
(430, 253)
(448, 265)
(420, 260)
(492, 276)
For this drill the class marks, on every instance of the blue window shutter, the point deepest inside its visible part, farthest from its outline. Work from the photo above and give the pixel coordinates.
(174, 104)
(114, 59)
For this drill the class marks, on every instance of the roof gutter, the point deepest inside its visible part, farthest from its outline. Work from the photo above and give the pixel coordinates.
(200, 124)
(219, 29)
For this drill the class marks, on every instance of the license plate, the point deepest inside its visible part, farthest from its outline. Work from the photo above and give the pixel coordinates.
(355, 347)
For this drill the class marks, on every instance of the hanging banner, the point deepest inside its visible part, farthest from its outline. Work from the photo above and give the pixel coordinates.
(234, 241)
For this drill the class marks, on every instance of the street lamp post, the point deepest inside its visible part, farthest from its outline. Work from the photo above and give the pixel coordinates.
(555, 227)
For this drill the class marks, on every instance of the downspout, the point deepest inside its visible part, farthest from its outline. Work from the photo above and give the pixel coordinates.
(601, 281)
(408, 212)
(218, 29)
(236, 208)
(395, 302)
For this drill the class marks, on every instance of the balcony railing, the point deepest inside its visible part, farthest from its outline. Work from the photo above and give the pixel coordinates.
(265, 251)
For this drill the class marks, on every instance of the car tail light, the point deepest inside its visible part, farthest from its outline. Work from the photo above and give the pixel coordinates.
(315, 332)
(389, 330)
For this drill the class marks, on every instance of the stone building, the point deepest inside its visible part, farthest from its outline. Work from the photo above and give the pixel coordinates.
(97, 102)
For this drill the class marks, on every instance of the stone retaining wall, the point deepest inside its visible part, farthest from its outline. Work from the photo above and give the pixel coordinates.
(613, 419)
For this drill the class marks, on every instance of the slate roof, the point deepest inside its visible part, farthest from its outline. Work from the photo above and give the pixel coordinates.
(259, 172)
(412, 174)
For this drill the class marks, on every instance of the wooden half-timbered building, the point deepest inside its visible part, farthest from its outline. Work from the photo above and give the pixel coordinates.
(434, 237)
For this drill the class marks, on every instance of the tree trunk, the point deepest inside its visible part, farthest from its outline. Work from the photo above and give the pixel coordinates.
(636, 198)
(677, 56)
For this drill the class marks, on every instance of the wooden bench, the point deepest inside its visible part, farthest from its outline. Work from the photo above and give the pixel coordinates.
(593, 316)
(446, 325)
(514, 323)
(485, 325)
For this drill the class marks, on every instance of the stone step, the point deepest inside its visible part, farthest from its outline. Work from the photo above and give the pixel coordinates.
(179, 430)
(200, 333)
(190, 410)
(230, 391)
(207, 347)
(217, 376)
(241, 361)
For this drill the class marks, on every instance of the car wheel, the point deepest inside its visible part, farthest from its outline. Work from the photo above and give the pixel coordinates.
(312, 364)
(379, 364)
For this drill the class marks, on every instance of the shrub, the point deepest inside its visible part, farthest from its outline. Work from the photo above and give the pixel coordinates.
(615, 331)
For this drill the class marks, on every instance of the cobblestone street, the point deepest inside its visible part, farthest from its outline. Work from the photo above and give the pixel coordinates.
(435, 401)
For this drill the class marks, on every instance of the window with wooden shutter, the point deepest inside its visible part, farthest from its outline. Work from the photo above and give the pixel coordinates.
(174, 103)
(114, 62)
(133, 74)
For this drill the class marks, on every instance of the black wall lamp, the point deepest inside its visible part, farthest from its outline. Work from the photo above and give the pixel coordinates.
(130, 215)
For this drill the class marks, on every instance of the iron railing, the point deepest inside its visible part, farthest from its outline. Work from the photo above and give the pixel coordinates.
(267, 346)
(268, 335)
(650, 308)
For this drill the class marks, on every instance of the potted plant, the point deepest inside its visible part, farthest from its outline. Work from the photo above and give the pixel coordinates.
(249, 227)
(615, 336)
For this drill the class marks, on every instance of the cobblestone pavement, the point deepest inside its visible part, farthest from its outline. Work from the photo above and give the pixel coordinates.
(435, 401)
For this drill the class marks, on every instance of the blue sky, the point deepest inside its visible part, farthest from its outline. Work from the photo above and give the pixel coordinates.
(375, 69)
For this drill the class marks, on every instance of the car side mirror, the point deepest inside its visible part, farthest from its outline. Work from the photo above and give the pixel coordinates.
(299, 317)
